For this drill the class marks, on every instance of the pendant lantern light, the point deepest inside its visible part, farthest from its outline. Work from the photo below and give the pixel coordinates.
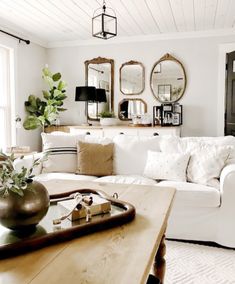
(104, 25)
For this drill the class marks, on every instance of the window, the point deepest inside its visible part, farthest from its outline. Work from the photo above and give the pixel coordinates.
(6, 109)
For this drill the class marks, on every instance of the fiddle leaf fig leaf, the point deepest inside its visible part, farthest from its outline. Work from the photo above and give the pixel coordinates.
(56, 77)
(30, 109)
(46, 95)
(62, 85)
(58, 103)
(61, 109)
(31, 122)
(46, 72)
(56, 93)
(32, 100)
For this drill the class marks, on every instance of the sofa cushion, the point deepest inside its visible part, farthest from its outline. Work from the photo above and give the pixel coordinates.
(94, 159)
(127, 179)
(187, 144)
(164, 166)
(62, 182)
(206, 164)
(130, 153)
(193, 195)
(208, 156)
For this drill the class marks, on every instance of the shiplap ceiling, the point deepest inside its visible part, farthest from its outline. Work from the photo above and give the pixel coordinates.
(60, 21)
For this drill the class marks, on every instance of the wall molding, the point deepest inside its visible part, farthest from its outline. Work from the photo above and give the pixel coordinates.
(144, 38)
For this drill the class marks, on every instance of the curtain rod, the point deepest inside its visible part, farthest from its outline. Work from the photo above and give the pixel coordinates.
(19, 38)
(99, 71)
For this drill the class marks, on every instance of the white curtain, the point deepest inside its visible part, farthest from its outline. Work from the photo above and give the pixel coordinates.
(5, 99)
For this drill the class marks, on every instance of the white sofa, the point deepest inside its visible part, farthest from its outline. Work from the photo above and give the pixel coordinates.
(199, 212)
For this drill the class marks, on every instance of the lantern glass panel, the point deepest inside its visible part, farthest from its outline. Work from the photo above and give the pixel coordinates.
(97, 24)
(109, 24)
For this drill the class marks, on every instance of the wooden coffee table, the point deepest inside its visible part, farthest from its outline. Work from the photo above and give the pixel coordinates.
(123, 254)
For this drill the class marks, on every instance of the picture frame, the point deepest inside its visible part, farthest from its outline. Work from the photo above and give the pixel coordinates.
(157, 115)
(168, 114)
(167, 107)
(177, 108)
(176, 118)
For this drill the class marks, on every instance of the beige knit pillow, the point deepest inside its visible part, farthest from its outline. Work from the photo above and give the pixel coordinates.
(94, 159)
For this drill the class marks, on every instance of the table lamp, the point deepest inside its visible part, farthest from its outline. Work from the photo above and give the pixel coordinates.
(100, 98)
(101, 95)
(85, 94)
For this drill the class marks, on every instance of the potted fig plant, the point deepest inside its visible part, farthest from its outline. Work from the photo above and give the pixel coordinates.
(108, 118)
(23, 202)
(44, 112)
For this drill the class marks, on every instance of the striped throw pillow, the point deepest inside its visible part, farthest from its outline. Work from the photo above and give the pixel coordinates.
(62, 152)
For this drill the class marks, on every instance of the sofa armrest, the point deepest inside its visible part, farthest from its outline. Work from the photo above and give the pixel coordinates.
(27, 162)
(226, 212)
(227, 184)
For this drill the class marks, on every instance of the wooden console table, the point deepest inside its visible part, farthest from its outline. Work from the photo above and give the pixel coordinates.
(124, 254)
(111, 131)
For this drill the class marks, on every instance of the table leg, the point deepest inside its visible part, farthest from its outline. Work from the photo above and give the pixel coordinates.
(159, 266)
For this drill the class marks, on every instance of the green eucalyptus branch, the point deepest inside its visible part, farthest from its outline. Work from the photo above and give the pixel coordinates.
(12, 180)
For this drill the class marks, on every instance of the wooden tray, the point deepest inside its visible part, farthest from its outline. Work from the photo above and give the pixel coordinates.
(45, 233)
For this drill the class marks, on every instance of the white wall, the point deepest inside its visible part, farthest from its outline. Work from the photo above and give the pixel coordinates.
(200, 57)
(203, 107)
(30, 61)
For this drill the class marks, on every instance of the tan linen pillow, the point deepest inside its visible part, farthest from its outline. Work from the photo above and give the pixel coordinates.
(94, 159)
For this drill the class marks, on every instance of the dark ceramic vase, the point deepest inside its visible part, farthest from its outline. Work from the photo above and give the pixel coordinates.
(24, 212)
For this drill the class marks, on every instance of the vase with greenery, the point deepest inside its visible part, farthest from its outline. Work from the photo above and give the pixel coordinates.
(107, 118)
(105, 114)
(44, 112)
(23, 201)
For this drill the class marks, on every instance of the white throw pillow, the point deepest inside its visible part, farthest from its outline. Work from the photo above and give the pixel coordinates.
(188, 144)
(166, 166)
(130, 153)
(206, 164)
(62, 148)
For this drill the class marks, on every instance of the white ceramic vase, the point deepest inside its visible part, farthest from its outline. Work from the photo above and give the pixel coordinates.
(108, 121)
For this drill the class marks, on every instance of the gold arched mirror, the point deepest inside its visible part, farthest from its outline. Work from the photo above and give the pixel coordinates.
(128, 108)
(168, 79)
(100, 74)
(132, 78)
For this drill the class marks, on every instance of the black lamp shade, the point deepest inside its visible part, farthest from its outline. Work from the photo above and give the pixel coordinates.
(101, 95)
(85, 94)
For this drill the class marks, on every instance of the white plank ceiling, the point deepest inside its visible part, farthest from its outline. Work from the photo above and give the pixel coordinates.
(51, 21)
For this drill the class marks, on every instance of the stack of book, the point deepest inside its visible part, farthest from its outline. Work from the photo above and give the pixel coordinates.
(99, 206)
(18, 149)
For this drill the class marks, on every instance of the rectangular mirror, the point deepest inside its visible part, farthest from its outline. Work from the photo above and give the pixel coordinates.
(99, 73)
(132, 77)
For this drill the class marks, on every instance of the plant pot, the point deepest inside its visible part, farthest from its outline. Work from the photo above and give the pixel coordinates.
(24, 212)
(108, 121)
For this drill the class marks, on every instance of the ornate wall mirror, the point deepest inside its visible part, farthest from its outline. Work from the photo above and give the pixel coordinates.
(129, 107)
(100, 74)
(132, 78)
(168, 79)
